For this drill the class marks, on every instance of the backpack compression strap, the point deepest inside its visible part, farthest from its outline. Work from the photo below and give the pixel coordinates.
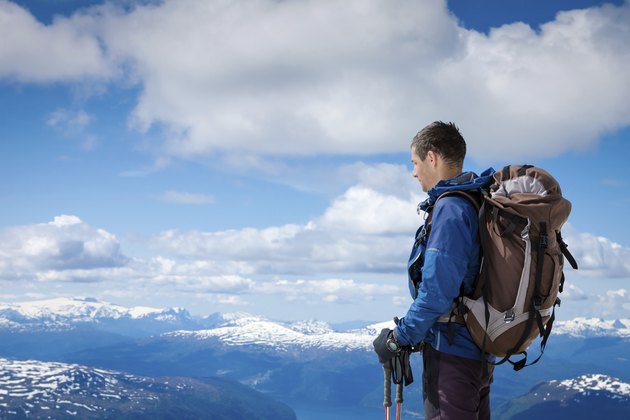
(537, 299)
(545, 331)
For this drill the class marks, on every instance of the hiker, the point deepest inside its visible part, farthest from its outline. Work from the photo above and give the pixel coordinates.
(444, 262)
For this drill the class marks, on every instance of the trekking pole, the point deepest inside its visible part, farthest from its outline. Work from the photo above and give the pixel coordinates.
(399, 400)
(399, 389)
(387, 387)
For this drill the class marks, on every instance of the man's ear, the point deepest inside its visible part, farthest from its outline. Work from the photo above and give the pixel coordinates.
(433, 158)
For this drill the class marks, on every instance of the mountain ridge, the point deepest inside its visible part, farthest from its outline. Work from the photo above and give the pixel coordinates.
(35, 389)
(307, 361)
(65, 314)
(583, 397)
(68, 313)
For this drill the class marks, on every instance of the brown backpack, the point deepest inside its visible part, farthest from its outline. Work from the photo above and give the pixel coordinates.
(521, 273)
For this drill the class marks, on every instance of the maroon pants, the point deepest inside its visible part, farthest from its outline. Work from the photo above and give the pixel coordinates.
(455, 388)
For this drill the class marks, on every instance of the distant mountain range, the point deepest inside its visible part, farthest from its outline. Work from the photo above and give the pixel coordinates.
(65, 314)
(303, 361)
(31, 389)
(238, 329)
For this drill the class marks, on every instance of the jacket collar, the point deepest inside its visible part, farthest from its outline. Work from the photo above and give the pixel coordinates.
(465, 181)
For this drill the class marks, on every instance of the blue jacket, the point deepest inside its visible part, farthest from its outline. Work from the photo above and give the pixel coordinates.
(448, 260)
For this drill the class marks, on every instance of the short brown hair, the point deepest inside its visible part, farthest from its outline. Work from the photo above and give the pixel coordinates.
(442, 138)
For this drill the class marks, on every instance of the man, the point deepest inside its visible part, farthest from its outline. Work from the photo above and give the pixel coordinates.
(444, 262)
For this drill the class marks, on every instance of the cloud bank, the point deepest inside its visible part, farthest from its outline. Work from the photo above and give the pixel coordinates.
(355, 251)
(324, 77)
(44, 251)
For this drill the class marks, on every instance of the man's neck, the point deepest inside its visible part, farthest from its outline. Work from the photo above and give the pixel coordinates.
(448, 172)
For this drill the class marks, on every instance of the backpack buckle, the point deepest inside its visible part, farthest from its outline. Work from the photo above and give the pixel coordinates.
(537, 301)
(509, 316)
(544, 240)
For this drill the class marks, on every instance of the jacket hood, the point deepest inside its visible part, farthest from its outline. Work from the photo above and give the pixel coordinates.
(466, 181)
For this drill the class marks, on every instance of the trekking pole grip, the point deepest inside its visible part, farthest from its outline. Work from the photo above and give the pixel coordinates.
(387, 385)
(399, 400)
(399, 393)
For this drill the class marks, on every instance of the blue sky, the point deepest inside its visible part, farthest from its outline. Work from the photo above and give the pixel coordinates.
(253, 156)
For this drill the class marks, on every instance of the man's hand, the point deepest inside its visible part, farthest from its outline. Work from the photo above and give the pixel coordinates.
(386, 346)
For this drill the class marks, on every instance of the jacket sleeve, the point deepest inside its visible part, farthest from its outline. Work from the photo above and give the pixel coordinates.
(446, 261)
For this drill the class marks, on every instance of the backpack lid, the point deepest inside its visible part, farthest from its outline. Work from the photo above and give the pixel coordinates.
(524, 179)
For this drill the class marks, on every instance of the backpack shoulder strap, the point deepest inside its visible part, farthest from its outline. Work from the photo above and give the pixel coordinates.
(456, 314)
(474, 197)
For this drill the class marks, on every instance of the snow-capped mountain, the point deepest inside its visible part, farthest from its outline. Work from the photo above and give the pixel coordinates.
(32, 389)
(584, 397)
(63, 314)
(36, 387)
(301, 360)
(176, 324)
(595, 383)
(245, 330)
(305, 360)
(593, 327)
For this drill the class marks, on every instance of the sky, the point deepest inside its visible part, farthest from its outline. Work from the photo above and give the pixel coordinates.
(254, 156)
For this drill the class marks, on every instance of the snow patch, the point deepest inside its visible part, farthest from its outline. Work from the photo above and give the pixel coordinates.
(597, 382)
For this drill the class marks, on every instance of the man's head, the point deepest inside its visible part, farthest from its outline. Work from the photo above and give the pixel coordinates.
(437, 153)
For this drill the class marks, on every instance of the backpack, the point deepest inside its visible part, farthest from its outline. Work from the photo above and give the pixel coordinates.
(521, 272)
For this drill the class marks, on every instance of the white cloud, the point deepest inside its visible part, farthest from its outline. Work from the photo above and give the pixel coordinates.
(621, 294)
(68, 250)
(81, 275)
(227, 300)
(363, 210)
(335, 290)
(179, 197)
(385, 178)
(233, 262)
(327, 77)
(615, 303)
(266, 250)
(597, 256)
(367, 229)
(66, 243)
(74, 124)
(326, 246)
(248, 244)
(355, 251)
(572, 292)
(198, 276)
(69, 121)
(326, 287)
(380, 202)
(33, 52)
(544, 92)
(275, 77)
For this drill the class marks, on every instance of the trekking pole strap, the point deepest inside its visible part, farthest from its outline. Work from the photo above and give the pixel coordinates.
(401, 367)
